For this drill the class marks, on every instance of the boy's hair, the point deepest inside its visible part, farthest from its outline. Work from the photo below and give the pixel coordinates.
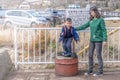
(68, 19)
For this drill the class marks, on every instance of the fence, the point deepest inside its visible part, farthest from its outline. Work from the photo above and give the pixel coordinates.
(79, 16)
(40, 46)
(110, 14)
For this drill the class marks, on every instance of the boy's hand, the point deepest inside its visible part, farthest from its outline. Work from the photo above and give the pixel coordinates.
(62, 34)
(59, 42)
(78, 42)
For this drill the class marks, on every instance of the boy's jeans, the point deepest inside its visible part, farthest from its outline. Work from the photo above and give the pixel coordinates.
(66, 44)
(98, 47)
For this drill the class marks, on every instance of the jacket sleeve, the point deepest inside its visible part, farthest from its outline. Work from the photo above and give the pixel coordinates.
(61, 35)
(75, 35)
(104, 32)
(84, 26)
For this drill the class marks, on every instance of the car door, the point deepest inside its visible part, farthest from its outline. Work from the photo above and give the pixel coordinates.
(26, 18)
(14, 17)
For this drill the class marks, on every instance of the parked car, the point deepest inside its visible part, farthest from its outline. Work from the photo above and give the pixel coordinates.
(46, 14)
(24, 18)
(62, 14)
(2, 16)
(53, 16)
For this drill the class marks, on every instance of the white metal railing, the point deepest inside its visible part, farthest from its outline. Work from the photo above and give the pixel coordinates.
(40, 46)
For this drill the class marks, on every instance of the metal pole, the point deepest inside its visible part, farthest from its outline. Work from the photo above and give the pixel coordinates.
(15, 46)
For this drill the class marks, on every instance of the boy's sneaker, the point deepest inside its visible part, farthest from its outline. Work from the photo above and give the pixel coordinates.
(63, 53)
(67, 55)
(88, 73)
(98, 74)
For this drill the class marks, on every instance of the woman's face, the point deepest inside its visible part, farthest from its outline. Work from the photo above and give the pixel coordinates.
(93, 14)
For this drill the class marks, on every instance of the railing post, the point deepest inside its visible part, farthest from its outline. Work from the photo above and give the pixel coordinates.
(73, 46)
(15, 46)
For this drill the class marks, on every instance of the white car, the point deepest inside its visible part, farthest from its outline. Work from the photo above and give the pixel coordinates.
(24, 18)
(47, 15)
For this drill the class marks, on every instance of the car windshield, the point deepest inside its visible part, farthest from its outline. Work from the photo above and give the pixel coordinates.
(35, 14)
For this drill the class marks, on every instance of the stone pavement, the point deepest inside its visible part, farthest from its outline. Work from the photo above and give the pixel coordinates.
(50, 75)
(5, 63)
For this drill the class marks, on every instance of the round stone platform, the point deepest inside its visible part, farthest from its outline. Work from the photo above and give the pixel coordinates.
(66, 66)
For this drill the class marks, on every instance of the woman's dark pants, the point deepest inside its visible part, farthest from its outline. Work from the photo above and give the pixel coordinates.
(98, 47)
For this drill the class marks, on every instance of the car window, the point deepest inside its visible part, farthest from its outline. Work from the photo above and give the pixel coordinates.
(14, 13)
(35, 14)
(23, 14)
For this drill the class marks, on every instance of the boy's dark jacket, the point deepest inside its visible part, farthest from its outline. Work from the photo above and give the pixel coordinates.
(73, 32)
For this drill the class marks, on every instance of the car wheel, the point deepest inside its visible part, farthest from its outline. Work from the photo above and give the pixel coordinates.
(33, 25)
(7, 25)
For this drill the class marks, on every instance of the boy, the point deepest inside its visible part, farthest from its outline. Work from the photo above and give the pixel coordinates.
(67, 34)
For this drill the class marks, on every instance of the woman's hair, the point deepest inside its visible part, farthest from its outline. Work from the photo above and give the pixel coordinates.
(95, 9)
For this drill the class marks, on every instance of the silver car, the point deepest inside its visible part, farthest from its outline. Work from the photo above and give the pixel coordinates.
(28, 18)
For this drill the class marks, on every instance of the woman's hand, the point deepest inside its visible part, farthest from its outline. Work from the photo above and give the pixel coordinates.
(105, 43)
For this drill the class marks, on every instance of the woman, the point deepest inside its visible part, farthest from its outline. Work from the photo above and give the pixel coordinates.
(98, 36)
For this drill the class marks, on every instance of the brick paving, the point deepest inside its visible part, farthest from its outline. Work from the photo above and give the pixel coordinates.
(50, 75)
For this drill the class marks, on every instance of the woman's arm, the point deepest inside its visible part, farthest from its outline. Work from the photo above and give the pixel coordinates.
(104, 32)
(84, 26)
